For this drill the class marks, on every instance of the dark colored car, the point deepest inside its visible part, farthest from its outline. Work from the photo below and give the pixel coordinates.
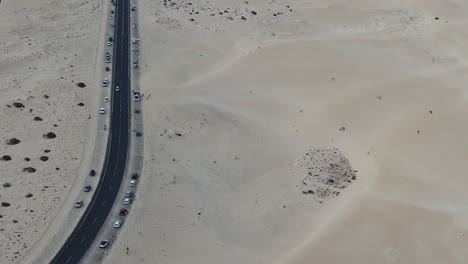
(92, 173)
(123, 212)
(138, 134)
(107, 69)
(134, 176)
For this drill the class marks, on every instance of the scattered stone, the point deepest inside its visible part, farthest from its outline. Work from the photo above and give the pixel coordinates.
(5, 158)
(50, 135)
(5, 204)
(36, 118)
(80, 84)
(13, 141)
(44, 158)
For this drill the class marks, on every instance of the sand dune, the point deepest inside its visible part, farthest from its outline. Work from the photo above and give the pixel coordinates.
(275, 131)
(257, 124)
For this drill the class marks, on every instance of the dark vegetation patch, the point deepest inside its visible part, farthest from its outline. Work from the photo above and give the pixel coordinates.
(44, 158)
(18, 105)
(13, 141)
(6, 185)
(37, 118)
(81, 85)
(29, 169)
(29, 195)
(4, 204)
(80, 104)
(5, 158)
(50, 135)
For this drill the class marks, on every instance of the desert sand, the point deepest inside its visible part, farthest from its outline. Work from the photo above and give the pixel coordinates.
(301, 132)
(46, 49)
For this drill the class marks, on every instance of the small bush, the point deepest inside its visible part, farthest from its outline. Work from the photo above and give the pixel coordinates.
(5, 158)
(29, 169)
(50, 135)
(13, 141)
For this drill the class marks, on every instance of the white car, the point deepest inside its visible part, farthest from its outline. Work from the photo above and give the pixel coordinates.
(111, 17)
(117, 88)
(78, 203)
(118, 224)
(104, 243)
(109, 43)
(106, 99)
(127, 201)
(135, 49)
(102, 111)
(132, 183)
(128, 194)
(105, 82)
(133, 26)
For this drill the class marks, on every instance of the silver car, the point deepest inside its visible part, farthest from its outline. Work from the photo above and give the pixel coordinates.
(78, 203)
(104, 243)
(132, 183)
(127, 201)
(118, 224)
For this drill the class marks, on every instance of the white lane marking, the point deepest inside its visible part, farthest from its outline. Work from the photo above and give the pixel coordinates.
(68, 259)
(83, 239)
(110, 187)
(94, 221)
(103, 203)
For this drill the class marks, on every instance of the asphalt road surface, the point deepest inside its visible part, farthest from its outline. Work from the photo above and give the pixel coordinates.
(103, 199)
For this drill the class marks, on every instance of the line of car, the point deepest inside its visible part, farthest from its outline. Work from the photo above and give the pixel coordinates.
(133, 182)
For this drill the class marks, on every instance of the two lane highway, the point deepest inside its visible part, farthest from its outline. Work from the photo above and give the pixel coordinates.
(112, 174)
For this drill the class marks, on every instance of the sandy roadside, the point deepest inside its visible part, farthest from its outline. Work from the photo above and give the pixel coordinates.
(47, 49)
(297, 132)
